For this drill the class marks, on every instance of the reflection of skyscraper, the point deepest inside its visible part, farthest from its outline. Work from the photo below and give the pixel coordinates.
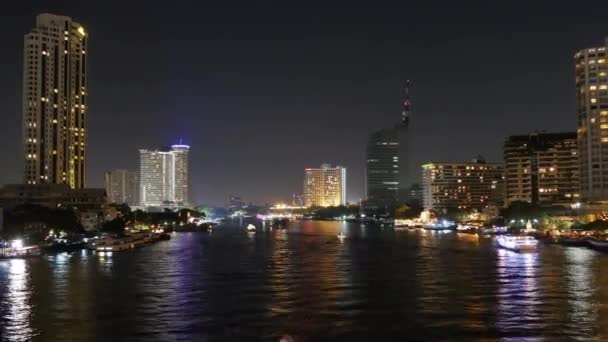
(163, 177)
(54, 102)
(122, 186)
(592, 99)
(388, 155)
(325, 187)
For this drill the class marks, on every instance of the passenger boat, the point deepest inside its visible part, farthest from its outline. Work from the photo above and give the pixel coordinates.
(520, 244)
(443, 225)
(251, 228)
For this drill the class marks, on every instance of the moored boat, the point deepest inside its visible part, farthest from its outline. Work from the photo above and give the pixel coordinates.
(601, 245)
(520, 244)
(574, 242)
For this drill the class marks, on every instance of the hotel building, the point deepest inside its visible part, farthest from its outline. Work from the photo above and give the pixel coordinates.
(325, 186)
(542, 168)
(163, 177)
(122, 186)
(473, 185)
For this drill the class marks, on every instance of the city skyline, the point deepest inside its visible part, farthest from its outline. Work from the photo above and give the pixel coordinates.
(524, 84)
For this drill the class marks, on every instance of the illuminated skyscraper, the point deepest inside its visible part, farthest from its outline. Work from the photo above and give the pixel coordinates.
(54, 102)
(592, 101)
(388, 170)
(122, 186)
(325, 187)
(163, 177)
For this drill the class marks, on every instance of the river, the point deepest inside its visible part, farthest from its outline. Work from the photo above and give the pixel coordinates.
(304, 282)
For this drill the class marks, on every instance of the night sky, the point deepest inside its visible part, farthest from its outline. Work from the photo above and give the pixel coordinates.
(262, 91)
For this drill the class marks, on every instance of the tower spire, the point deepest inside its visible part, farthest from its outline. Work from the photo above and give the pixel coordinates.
(407, 105)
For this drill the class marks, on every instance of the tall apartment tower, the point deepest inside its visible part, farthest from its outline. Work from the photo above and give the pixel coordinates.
(163, 177)
(542, 168)
(54, 102)
(325, 186)
(591, 73)
(122, 186)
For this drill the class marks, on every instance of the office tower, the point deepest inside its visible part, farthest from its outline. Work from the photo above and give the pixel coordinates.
(325, 186)
(542, 168)
(472, 185)
(122, 186)
(54, 102)
(163, 177)
(388, 168)
(591, 72)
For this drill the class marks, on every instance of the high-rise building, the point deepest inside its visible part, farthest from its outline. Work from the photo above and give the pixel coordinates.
(122, 186)
(472, 185)
(54, 102)
(325, 186)
(591, 72)
(541, 168)
(388, 168)
(236, 202)
(163, 177)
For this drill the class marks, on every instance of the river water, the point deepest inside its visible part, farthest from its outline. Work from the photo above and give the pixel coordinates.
(306, 283)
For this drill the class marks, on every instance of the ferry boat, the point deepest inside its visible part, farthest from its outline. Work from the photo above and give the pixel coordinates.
(520, 244)
(441, 225)
(251, 228)
(17, 250)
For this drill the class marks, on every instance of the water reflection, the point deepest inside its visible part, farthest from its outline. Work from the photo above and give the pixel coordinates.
(17, 319)
(301, 281)
(579, 280)
(518, 293)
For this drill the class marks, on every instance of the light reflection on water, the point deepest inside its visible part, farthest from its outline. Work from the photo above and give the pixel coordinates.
(306, 282)
(16, 302)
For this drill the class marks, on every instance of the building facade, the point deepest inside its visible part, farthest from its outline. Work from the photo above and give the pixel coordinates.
(52, 196)
(472, 185)
(388, 169)
(542, 168)
(163, 177)
(591, 72)
(325, 186)
(382, 167)
(122, 186)
(54, 102)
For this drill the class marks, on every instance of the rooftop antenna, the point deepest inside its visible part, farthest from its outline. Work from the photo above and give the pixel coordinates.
(407, 105)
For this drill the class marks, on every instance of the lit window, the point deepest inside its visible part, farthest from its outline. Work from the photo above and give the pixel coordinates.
(604, 140)
(593, 100)
(603, 86)
(604, 126)
(592, 87)
(592, 120)
(601, 61)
